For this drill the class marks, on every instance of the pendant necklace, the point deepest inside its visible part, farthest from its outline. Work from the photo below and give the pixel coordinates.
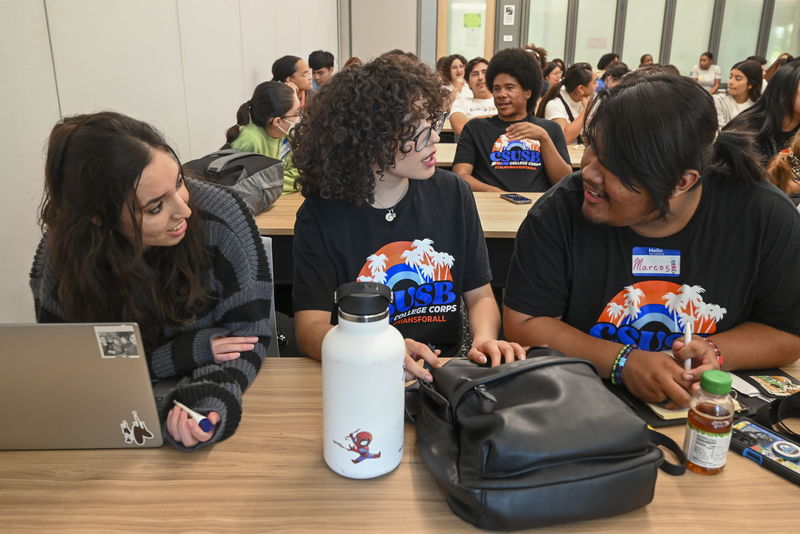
(390, 214)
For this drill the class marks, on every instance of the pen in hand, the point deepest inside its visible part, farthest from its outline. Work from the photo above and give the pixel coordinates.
(687, 335)
(201, 420)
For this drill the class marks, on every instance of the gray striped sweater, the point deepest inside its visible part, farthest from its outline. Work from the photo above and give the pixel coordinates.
(241, 289)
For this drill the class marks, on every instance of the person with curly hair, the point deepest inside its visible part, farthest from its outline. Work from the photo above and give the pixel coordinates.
(513, 151)
(377, 209)
(784, 170)
(451, 70)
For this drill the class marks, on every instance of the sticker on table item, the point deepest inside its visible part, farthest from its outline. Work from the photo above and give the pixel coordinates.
(654, 261)
(780, 386)
(358, 442)
(117, 341)
(136, 432)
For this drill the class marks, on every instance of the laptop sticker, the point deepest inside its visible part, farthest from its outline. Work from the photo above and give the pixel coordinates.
(135, 433)
(116, 341)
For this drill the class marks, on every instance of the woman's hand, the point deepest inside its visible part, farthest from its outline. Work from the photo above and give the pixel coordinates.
(495, 351)
(416, 351)
(230, 348)
(185, 430)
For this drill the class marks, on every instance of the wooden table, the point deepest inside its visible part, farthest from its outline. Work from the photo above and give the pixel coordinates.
(499, 217)
(446, 153)
(270, 477)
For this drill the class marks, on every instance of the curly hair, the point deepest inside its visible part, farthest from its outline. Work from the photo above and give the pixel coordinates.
(444, 64)
(355, 126)
(521, 65)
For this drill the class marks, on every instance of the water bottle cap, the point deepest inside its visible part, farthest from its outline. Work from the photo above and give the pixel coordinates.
(716, 382)
(363, 298)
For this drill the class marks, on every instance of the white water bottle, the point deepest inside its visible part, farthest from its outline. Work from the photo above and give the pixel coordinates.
(363, 390)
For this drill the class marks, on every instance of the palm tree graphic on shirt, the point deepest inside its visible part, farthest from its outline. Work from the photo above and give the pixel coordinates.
(428, 263)
(685, 306)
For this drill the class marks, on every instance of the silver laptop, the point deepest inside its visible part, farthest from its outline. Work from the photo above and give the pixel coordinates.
(75, 386)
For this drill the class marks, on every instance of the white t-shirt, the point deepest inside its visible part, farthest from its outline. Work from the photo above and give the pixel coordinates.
(706, 77)
(555, 108)
(474, 107)
(728, 107)
(464, 93)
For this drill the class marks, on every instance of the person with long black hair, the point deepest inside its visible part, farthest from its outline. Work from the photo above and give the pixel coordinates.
(744, 90)
(667, 228)
(263, 124)
(566, 102)
(127, 238)
(775, 118)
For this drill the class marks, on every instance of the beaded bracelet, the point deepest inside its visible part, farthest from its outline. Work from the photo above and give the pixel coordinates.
(713, 345)
(619, 363)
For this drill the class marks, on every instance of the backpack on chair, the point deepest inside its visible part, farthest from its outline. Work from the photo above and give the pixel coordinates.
(256, 178)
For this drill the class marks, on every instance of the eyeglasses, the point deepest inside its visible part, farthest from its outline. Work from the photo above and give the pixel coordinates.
(422, 138)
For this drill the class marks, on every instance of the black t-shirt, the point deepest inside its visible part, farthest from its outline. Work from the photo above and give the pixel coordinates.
(431, 254)
(510, 165)
(735, 261)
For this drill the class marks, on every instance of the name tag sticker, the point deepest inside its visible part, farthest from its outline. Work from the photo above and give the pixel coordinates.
(653, 261)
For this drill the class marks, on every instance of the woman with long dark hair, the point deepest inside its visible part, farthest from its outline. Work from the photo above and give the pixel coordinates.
(127, 238)
(452, 70)
(567, 101)
(775, 118)
(378, 209)
(669, 227)
(744, 89)
(263, 124)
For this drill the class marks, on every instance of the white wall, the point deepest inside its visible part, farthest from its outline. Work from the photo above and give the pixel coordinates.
(28, 109)
(379, 26)
(184, 65)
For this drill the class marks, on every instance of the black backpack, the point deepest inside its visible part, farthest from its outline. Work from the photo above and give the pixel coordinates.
(256, 178)
(535, 442)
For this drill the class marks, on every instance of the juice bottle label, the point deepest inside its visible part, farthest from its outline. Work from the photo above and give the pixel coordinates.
(706, 449)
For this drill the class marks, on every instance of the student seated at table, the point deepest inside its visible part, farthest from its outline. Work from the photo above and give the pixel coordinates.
(263, 124)
(513, 151)
(127, 238)
(377, 209)
(706, 73)
(744, 89)
(480, 104)
(294, 72)
(566, 102)
(665, 229)
(451, 71)
(775, 118)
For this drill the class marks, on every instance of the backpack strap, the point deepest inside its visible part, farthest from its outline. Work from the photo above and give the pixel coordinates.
(225, 157)
(665, 441)
(569, 114)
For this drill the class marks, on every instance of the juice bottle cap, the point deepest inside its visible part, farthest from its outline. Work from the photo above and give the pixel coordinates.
(716, 382)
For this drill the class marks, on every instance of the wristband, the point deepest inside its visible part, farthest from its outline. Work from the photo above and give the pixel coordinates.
(619, 363)
(713, 345)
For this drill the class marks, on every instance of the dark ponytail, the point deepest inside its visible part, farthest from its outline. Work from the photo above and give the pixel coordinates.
(270, 100)
(577, 74)
(734, 156)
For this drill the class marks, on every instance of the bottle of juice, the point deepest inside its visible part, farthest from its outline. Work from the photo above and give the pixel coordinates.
(708, 425)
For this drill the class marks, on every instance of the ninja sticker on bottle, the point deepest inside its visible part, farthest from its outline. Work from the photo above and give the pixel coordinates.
(358, 442)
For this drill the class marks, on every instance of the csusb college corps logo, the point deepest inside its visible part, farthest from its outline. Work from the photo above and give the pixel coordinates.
(420, 279)
(652, 315)
(517, 154)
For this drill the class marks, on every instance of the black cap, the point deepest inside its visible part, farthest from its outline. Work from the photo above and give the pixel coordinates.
(363, 298)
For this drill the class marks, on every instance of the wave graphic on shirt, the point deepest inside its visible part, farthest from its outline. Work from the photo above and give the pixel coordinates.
(516, 154)
(653, 313)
